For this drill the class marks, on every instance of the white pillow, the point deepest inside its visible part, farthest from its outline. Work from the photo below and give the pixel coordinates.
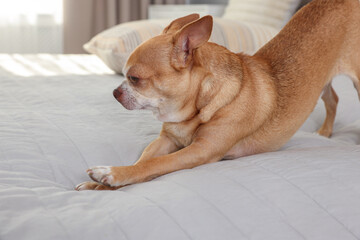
(275, 13)
(115, 45)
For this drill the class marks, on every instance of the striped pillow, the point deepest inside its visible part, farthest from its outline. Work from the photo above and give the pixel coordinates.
(115, 45)
(275, 13)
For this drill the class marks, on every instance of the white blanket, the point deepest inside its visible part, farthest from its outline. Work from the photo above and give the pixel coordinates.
(58, 117)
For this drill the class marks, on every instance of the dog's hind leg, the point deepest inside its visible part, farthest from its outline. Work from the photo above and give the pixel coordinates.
(355, 78)
(331, 100)
(356, 82)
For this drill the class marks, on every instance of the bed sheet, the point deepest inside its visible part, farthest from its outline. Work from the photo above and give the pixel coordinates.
(58, 117)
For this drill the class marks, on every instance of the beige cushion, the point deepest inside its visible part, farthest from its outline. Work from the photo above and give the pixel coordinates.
(115, 45)
(274, 13)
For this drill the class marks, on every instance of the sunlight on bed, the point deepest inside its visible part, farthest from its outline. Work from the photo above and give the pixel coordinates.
(52, 65)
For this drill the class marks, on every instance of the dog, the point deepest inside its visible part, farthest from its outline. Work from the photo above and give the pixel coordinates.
(215, 104)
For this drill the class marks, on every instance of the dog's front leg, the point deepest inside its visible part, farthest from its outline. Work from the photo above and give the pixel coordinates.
(103, 175)
(199, 152)
(160, 146)
(123, 175)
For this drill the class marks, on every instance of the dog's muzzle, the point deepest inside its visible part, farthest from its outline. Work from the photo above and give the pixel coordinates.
(117, 93)
(122, 96)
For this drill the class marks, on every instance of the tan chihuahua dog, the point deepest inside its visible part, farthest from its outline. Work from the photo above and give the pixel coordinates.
(216, 104)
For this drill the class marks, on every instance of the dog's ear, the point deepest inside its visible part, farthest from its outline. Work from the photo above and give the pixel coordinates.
(188, 39)
(177, 24)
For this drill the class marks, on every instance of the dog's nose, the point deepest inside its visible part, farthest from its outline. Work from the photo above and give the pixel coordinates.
(117, 93)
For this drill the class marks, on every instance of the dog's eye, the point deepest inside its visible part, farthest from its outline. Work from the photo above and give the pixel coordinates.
(133, 79)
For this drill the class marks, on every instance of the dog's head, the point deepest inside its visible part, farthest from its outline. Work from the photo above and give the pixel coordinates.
(158, 72)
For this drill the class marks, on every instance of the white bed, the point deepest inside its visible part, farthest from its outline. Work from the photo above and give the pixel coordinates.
(58, 117)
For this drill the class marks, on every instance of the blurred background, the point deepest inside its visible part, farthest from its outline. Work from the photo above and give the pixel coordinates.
(63, 26)
(31, 26)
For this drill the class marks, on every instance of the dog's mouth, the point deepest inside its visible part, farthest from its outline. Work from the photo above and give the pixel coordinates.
(128, 101)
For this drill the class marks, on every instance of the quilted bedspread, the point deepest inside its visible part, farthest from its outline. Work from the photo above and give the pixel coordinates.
(58, 117)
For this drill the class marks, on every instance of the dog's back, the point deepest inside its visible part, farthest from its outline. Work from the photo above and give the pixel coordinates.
(321, 41)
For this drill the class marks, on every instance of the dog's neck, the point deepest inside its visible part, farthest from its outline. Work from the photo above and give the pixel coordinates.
(223, 77)
(212, 80)
(220, 75)
(230, 75)
(219, 83)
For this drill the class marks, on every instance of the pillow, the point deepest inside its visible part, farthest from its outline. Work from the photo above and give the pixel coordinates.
(275, 13)
(115, 45)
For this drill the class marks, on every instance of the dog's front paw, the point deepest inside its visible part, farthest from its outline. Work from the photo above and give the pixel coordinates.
(101, 174)
(93, 186)
(110, 176)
